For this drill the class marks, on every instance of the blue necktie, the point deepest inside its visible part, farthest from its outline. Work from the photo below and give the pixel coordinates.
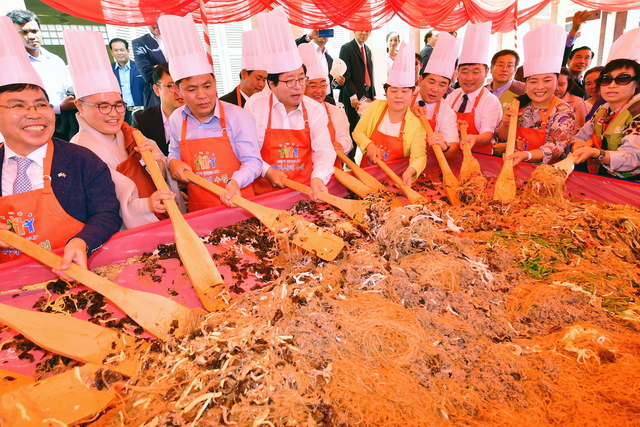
(22, 182)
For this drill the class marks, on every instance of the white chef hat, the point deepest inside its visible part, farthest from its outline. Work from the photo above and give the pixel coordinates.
(252, 51)
(475, 47)
(280, 52)
(89, 64)
(543, 49)
(311, 61)
(183, 47)
(444, 55)
(403, 70)
(17, 68)
(627, 46)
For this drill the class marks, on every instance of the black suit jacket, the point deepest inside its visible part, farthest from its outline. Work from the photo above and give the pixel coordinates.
(232, 98)
(82, 184)
(136, 82)
(149, 122)
(354, 78)
(147, 55)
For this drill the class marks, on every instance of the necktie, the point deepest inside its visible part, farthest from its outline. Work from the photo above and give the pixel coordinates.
(463, 106)
(421, 103)
(22, 182)
(367, 79)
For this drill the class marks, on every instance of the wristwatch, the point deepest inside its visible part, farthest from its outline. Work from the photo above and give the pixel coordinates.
(600, 157)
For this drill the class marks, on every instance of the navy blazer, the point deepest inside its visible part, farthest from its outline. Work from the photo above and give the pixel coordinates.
(82, 184)
(136, 82)
(149, 122)
(147, 54)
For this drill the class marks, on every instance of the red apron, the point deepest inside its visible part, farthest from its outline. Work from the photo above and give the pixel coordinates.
(530, 139)
(132, 169)
(287, 150)
(390, 147)
(470, 118)
(212, 159)
(239, 97)
(37, 215)
(332, 135)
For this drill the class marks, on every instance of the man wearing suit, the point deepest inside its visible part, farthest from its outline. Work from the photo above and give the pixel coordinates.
(430, 40)
(153, 122)
(358, 77)
(129, 78)
(326, 60)
(251, 81)
(148, 52)
(81, 213)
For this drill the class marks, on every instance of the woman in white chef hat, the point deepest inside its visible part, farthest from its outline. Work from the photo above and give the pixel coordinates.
(388, 129)
(545, 123)
(610, 141)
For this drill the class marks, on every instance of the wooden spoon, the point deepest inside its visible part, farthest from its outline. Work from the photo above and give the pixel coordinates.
(362, 175)
(63, 399)
(449, 180)
(470, 164)
(505, 189)
(195, 257)
(306, 235)
(80, 340)
(566, 165)
(413, 196)
(154, 313)
(356, 209)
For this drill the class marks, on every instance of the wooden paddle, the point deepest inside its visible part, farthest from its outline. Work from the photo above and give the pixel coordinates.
(195, 257)
(470, 164)
(413, 196)
(12, 380)
(75, 338)
(356, 209)
(306, 235)
(352, 183)
(63, 399)
(505, 189)
(154, 313)
(566, 165)
(449, 180)
(362, 175)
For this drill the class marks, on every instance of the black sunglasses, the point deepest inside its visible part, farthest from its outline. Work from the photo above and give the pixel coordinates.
(621, 80)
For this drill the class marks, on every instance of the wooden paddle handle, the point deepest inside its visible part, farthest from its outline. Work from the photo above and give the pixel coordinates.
(346, 159)
(47, 257)
(352, 183)
(513, 127)
(394, 176)
(466, 149)
(437, 150)
(156, 175)
(304, 189)
(216, 189)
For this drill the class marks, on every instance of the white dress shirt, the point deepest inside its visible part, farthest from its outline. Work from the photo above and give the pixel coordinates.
(341, 125)
(54, 75)
(488, 112)
(34, 171)
(324, 154)
(446, 121)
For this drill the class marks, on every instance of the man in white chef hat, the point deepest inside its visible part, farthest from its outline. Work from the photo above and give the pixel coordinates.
(212, 138)
(473, 103)
(101, 112)
(433, 84)
(53, 193)
(292, 128)
(316, 89)
(253, 77)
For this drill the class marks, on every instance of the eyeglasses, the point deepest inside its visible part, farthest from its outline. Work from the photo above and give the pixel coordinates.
(106, 108)
(292, 83)
(314, 86)
(621, 80)
(24, 108)
(173, 88)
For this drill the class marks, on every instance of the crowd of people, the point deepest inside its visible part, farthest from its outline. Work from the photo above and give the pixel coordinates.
(282, 119)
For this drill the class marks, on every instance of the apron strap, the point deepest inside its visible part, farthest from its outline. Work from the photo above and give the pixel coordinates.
(48, 159)
(384, 110)
(304, 114)
(223, 123)
(239, 96)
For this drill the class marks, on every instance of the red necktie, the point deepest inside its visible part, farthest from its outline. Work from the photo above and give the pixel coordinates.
(367, 79)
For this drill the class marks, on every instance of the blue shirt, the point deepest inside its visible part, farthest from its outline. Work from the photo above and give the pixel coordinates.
(241, 129)
(125, 83)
